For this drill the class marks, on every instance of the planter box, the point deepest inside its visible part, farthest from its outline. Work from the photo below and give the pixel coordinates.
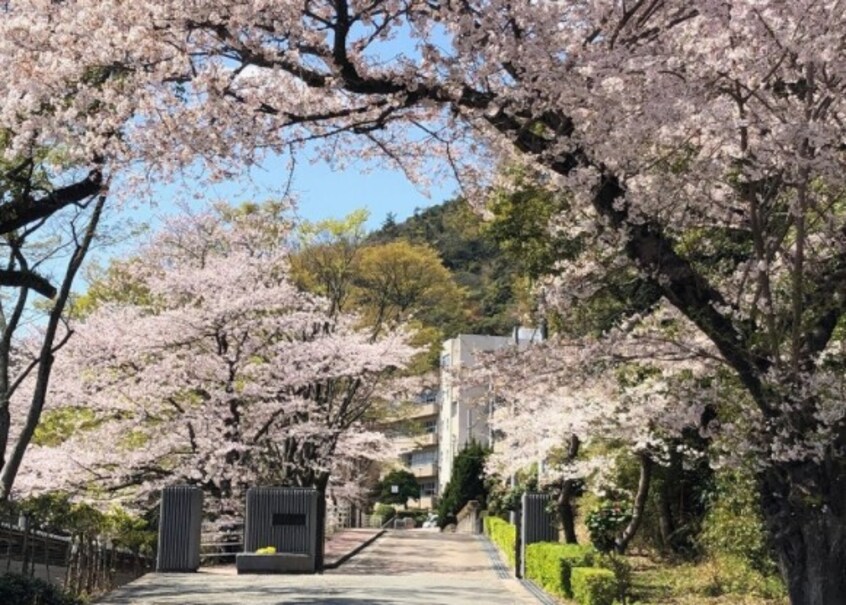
(247, 562)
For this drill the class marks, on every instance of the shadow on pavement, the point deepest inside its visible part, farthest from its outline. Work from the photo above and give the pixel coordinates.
(434, 595)
(417, 552)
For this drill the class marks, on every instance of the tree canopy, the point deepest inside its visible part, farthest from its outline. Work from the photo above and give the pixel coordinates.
(222, 375)
(701, 143)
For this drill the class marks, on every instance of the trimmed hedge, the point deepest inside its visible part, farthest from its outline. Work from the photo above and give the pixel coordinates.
(504, 535)
(549, 564)
(20, 590)
(593, 586)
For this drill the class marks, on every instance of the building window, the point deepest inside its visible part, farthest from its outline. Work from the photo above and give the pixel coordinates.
(423, 457)
(428, 488)
(428, 396)
(431, 426)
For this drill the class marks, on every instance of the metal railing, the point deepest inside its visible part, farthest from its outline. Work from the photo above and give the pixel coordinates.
(221, 544)
(81, 564)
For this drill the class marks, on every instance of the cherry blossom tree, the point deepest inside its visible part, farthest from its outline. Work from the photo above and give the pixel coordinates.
(703, 143)
(222, 374)
(560, 405)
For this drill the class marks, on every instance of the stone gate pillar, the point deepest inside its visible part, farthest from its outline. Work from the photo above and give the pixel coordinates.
(180, 522)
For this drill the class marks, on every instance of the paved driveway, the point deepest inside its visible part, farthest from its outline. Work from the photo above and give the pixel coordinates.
(415, 567)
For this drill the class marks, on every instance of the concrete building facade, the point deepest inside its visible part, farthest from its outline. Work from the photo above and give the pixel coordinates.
(415, 434)
(464, 411)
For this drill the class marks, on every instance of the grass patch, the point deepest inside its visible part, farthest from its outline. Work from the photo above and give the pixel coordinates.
(722, 581)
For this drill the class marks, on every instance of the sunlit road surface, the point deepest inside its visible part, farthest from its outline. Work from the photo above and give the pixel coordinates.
(402, 567)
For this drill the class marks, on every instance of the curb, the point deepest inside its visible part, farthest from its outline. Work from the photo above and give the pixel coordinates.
(504, 572)
(346, 556)
(538, 592)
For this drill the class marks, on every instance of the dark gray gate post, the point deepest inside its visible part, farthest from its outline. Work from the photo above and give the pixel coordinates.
(517, 516)
(288, 519)
(180, 522)
(536, 525)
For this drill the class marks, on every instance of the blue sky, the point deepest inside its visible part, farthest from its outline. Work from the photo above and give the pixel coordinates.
(322, 191)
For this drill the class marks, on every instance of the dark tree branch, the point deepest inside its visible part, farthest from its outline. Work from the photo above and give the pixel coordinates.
(25, 210)
(27, 279)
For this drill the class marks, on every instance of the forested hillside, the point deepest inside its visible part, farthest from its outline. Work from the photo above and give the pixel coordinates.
(490, 278)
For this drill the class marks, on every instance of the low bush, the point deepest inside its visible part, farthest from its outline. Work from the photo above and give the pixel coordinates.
(622, 570)
(608, 518)
(385, 511)
(20, 590)
(733, 526)
(504, 535)
(593, 586)
(419, 516)
(735, 575)
(549, 564)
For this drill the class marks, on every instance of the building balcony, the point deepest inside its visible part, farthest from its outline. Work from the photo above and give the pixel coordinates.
(422, 410)
(424, 470)
(411, 413)
(426, 439)
(408, 444)
(425, 502)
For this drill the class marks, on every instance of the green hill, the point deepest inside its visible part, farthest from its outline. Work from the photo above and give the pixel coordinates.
(470, 252)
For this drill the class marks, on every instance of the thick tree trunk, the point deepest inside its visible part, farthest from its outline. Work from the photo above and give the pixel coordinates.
(565, 498)
(566, 514)
(804, 508)
(639, 504)
(666, 525)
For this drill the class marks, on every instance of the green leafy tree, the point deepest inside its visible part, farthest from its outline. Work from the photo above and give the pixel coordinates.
(473, 257)
(466, 483)
(520, 225)
(387, 282)
(398, 281)
(398, 487)
(326, 255)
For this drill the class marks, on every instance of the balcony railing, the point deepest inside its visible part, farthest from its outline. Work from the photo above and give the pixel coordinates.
(411, 412)
(424, 470)
(426, 439)
(421, 410)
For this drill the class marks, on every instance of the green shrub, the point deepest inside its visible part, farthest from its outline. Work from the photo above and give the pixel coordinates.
(385, 511)
(733, 526)
(504, 535)
(622, 570)
(607, 520)
(465, 483)
(594, 586)
(419, 516)
(549, 564)
(20, 590)
(735, 575)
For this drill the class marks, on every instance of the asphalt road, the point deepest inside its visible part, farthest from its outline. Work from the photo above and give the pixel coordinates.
(415, 567)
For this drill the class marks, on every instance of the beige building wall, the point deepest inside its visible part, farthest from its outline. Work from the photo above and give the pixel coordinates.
(416, 439)
(464, 411)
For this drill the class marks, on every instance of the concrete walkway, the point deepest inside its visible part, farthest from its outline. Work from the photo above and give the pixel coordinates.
(345, 544)
(412, 567)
